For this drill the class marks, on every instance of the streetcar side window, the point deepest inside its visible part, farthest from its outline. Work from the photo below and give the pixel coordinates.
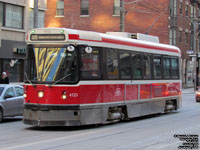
(167, 67)
(90, 68)
(137, 65)
(112, 64)
(147, 66)
(125, 65)
(157, 67)
(174, 68)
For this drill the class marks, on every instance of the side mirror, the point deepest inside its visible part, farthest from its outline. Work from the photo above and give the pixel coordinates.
(8, 96)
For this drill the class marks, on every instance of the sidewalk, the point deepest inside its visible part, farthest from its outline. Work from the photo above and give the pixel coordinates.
(188, 91)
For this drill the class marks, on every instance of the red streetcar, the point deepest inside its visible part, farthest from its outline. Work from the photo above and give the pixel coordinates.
(78, 78)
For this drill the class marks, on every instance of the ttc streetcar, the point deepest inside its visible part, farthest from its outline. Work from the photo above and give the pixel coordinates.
(75, 78)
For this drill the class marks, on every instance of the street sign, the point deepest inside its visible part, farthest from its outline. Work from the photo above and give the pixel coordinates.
(190, 52)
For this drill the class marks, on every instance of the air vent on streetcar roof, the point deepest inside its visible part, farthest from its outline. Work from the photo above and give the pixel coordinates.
(138, 36)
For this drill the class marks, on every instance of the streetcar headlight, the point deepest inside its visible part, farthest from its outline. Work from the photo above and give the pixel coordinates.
(25, 95)
(64, 95)
(40, 94)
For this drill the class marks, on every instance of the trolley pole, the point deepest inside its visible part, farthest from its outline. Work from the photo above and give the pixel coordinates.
(122, 16)
(35, 24)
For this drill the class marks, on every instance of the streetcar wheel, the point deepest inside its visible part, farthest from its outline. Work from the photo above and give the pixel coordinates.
(1, 115)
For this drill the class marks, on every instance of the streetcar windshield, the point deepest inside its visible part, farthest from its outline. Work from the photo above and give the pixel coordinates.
(52, 64)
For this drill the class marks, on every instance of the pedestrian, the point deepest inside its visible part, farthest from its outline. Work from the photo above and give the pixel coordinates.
(4, 79)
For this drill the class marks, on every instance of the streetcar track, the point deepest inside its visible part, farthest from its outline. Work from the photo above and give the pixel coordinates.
(95, 138)
(108, 130)
(83, 134)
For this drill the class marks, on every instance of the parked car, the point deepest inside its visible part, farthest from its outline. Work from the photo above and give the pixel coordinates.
(198, 96)
(11, 100)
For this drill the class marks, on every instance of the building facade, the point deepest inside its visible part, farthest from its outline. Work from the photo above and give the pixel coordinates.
(170, 20)
(15, 20)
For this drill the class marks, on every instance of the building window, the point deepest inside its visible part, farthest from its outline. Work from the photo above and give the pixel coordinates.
(43, 4)
(60, 8)
(193, 11)
(186, 10)
(41, 15)
(116, 7)
(40, 18)
(84, 7)
(181, 7)
(186, 37)
(14, 16)
(180, 36)
(173, 8)
(1, 14)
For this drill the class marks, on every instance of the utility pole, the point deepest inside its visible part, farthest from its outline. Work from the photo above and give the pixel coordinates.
(122, 11)
(35, 20)
(195, 23)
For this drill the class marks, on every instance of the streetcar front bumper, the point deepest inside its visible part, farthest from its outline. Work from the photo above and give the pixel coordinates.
(38, 115)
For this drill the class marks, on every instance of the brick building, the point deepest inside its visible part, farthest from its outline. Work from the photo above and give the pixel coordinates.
(170, 20)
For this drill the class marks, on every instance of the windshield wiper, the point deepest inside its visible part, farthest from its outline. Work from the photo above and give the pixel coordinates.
(68, 75)
(28, 79)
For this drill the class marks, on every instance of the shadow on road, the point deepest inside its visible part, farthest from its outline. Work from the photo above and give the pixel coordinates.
(86, 127)
(154, 116)
(11, 119)
(63, 128)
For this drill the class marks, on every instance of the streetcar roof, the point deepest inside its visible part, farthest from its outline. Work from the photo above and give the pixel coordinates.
(90, 37)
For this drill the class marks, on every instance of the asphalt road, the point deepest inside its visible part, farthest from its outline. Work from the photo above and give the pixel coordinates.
(156, 132)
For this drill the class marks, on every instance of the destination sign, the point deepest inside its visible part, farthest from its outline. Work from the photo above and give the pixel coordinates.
(47, 37)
